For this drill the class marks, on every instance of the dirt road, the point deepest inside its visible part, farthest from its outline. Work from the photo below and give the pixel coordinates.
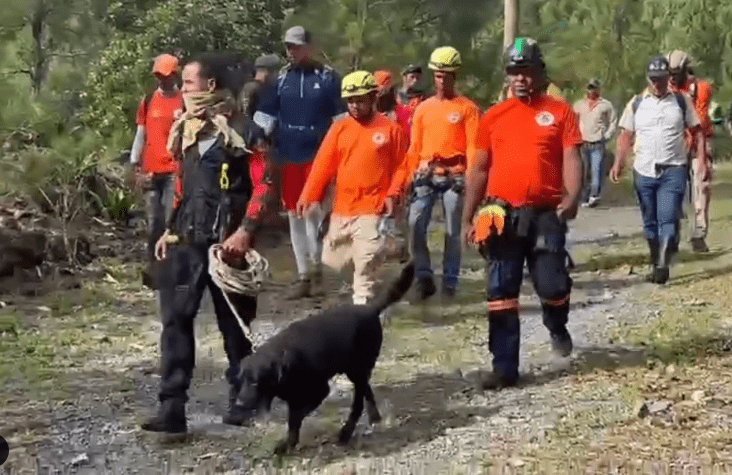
(435, 421)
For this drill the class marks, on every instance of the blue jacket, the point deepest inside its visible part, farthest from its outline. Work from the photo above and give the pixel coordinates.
(299, 108)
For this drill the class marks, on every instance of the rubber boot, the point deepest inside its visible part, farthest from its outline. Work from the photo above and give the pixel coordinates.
(665, 254)
(653, 247)
(425, 288)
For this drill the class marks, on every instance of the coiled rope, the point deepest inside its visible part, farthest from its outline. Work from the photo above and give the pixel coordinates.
(248, 281)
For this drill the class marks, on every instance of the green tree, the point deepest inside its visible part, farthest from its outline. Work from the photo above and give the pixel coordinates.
(48, 31)
(121, 75)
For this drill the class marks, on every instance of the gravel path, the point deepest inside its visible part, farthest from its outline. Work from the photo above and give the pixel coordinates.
(435, 422)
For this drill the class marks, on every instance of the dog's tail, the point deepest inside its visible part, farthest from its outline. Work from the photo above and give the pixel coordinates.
(397, 289)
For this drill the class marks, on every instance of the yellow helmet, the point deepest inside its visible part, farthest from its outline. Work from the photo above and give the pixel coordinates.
(445, 58)
(358, 83)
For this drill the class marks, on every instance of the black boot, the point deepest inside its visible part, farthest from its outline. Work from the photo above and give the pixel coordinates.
(665, 252)
(555, 320)
(425, 288)
(171, 418)
(653, 248)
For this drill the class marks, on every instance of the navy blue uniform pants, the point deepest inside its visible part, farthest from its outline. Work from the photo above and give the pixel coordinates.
(541, 245)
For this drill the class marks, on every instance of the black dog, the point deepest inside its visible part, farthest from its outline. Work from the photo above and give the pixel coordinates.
(296, 364)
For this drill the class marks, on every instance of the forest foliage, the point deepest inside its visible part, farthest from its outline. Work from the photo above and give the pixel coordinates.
(75, 70)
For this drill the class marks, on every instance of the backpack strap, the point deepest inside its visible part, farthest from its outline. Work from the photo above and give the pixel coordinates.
(146, 102)
(679, 100)
(682, 105)
(636, 104)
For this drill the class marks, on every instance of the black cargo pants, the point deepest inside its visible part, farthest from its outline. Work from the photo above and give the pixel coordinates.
(183, 278)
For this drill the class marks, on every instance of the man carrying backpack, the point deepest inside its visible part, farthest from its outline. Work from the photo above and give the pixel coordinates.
(658, 119)
(154, 165)
(700, 92)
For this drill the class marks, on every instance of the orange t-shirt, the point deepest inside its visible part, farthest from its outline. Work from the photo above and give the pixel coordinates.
(367, 162)
(444, 129)
(157, 120)
(525, 144)
(702, 99)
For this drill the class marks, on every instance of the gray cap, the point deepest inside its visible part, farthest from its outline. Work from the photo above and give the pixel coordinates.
(297, 35)
(593, 83)
(267, 61)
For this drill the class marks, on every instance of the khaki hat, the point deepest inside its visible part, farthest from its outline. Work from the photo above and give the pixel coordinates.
(678, 60)
(165, 65)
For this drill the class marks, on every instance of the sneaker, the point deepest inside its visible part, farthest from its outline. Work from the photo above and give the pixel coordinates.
(171, 418)
(425, 288)
(449, 292)
(300, 289)
(562, 343)
(699, 245)
(593, 201)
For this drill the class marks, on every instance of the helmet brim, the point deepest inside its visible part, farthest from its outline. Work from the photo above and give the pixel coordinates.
(360, 92)
(446, 69)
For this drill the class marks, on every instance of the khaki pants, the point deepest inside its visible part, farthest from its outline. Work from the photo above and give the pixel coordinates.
(354, 239)
(700, 195)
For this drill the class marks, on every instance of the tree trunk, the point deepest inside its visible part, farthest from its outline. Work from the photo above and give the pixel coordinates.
(511, 17)
(40, 58)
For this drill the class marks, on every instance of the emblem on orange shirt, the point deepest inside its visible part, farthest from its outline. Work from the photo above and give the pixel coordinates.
(379, 139)
(453, 117)
(544, 118)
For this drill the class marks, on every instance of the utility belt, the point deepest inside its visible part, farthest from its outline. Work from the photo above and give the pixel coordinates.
(540, 225)
(443, 174)
(522, 221)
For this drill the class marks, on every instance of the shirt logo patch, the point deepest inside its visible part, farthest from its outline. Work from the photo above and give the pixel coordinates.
(454, 117)
(316, 86)
(544, 118)
(379, 139)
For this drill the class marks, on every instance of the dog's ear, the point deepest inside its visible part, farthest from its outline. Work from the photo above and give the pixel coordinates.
(282, 365)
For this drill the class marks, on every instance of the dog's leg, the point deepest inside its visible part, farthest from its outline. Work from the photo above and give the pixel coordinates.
(294, 423)
(356, 411)
(297, 414)
(371, 409)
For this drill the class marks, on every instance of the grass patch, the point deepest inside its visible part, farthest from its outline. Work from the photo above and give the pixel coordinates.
(43, 346)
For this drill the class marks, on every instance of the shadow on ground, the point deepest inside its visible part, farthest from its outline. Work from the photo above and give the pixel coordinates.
(414, 412)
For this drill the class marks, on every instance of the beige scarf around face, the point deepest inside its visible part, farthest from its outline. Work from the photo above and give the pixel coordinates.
(205, 111)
